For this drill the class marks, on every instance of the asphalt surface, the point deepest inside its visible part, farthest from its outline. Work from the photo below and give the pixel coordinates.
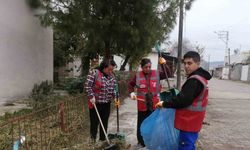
(227, 122)
(228, 116)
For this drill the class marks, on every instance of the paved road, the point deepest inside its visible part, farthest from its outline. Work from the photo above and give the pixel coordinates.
(228, 115)
(128, 121)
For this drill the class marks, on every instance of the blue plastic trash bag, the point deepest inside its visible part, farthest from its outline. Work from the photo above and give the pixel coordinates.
(158, 130)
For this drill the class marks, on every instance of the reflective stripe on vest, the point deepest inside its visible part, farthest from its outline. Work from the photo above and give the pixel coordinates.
(199, 106)
(156, 78)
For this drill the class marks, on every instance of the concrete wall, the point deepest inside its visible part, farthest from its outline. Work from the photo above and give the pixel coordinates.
(236, 72)
(26, 50)
(217, 72)
(225, 73)
(239, 58)
(245, 74)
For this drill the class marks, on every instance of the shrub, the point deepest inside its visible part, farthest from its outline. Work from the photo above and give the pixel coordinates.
(42, 95)
(41, 91)
(75, 85)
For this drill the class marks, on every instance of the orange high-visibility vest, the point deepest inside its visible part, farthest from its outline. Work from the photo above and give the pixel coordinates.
(142, 88)
(190, 119)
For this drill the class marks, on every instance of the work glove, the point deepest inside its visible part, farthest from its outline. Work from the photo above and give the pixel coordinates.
(133, 96)
(159, 104)
(22, 139)
(162, 60)
(117, 103)
(92, 100)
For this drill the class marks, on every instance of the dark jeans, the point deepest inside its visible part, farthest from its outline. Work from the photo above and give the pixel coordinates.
(104, 111)
(141, 116)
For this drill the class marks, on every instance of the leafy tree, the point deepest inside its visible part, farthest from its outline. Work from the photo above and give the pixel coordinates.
(187, 46)
(34, 3)
(128, 28)
(63, 45)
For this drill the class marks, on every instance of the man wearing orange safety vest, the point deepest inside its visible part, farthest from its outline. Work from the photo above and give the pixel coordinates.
(147, 83)
(191, 102)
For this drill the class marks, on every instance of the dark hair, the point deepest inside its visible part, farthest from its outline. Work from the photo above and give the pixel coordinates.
(105, 63)
(145, 61)
(194, 55)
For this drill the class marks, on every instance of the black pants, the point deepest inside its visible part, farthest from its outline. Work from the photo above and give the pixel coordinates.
(142, 115)
(104, 111)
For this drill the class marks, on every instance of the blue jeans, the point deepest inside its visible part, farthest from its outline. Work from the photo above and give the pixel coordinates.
(187, 140)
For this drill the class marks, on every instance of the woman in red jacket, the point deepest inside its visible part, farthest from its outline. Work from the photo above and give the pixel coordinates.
(99, 87)
(147, 83)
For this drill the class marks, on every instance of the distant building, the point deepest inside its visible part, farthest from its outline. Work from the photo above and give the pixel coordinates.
(218, 72)
(238, 69)
(240, 58)
(26, 50)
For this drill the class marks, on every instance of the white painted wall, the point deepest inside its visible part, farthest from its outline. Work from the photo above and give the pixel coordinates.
(239, 58)
(154, 59)
(153, 56)
(244, 73)
(26, 50)
(76, 68)
(119, 60)
(225, 73)
(235, 73)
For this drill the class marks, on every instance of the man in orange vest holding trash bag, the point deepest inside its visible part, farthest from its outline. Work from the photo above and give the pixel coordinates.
(191, 102)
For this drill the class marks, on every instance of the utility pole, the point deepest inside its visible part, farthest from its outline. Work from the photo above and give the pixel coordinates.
(224, 37)
(180, 45)
(208, 62)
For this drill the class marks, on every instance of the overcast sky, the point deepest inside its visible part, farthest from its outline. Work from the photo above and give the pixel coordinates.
(207, 16)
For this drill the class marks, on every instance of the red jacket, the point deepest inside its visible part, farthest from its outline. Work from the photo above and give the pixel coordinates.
(190, 119)
(142, 88)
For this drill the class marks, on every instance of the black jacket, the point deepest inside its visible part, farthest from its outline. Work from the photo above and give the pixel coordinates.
(189, 91)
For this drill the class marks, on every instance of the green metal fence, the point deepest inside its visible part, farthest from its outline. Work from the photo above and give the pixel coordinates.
(42, 126)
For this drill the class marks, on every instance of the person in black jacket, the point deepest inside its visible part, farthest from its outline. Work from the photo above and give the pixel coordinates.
(191, 102)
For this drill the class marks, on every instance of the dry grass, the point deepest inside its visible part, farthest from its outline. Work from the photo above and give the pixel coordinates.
(77, 136)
